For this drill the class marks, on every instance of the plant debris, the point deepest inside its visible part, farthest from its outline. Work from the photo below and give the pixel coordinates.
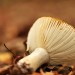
(45, 69)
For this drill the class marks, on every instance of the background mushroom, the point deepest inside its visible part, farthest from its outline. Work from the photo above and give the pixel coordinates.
(49, 41)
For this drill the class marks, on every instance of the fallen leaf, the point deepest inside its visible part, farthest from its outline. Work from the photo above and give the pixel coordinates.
(35, 73)
(46, 73)
(6, 57)
(49, 73)
(4, 68)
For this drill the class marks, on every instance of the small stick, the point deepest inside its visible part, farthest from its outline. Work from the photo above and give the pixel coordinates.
(4, 68)
(9, 50)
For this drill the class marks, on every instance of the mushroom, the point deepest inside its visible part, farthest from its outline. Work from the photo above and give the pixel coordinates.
(49, 41)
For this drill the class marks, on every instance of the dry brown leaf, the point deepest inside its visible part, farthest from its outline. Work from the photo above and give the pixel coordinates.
(72, 73)
(46, 73)
(35, 73)
(6, 57)
(4, 68)
(49, 73)
(55, 73)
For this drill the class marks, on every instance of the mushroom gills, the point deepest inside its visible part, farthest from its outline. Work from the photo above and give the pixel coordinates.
(50, 40)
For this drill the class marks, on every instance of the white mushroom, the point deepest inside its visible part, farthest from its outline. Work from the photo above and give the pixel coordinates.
(49, 40)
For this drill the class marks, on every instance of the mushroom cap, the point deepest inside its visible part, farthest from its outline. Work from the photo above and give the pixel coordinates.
(54, 35)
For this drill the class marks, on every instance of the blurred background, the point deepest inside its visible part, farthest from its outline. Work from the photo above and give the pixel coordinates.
(17, 16)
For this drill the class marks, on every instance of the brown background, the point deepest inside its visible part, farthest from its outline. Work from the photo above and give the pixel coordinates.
(17, 16)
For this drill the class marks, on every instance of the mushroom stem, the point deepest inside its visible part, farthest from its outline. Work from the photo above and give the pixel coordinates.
(38, 57)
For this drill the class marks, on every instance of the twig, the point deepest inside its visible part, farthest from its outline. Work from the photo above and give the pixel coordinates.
(4, 68)
(9, 50)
